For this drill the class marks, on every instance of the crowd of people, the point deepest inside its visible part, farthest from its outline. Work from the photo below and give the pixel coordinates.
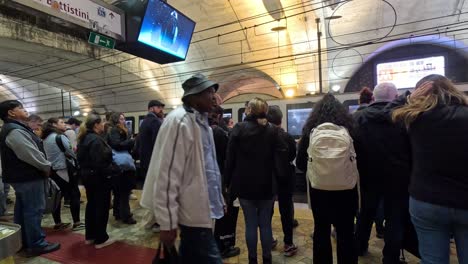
(397, 161)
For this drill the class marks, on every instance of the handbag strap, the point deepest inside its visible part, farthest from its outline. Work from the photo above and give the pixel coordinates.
(59, 142)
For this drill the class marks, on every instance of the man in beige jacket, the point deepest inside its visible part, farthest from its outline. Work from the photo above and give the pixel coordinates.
(187, 188)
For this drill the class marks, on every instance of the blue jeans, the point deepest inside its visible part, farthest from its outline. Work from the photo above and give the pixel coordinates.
(198, 245)
(29, 208)
(257, 214)
(2, 199)
(434, 225)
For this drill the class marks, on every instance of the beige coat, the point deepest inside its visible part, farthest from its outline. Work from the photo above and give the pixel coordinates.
(176, 174)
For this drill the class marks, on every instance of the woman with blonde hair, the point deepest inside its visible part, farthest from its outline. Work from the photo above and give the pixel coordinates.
(250, 174)
(436, 116)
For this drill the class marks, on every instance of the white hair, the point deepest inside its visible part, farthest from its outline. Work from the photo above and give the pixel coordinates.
(385, 92)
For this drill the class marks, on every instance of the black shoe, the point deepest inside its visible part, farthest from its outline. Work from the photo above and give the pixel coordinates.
(274, 243)
(230, 252)
(51, 247)
(295, 223)
(129, 221)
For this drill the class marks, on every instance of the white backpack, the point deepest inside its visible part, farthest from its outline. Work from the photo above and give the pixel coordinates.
(332, 159)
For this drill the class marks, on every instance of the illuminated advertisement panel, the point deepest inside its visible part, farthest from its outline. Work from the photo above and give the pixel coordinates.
(406, 73)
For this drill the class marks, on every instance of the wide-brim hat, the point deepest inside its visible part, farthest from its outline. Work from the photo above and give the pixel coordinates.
(197, 84)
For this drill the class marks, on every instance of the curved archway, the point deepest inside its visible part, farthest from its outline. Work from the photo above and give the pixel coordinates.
(251, 81)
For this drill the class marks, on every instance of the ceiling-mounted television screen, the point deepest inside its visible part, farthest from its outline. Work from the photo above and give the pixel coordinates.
(166, 29)
(406, 73)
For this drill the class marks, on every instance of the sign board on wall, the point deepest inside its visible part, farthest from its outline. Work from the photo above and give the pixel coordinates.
(92, 14)
(406, 73)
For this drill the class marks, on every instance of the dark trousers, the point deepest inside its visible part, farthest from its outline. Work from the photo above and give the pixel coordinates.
(225, 228)
(197, 245)
(71, 189)
(370, 202)
(97, 209)
(122, 185)
(286, 209)
(336, 208)
(395, 207)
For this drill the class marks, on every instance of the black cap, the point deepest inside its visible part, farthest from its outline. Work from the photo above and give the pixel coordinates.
(73, 121)
(155, 103)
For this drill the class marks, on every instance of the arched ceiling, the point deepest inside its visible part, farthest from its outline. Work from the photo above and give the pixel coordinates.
(232, 44)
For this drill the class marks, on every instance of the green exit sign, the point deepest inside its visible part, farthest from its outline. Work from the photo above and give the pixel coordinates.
(100, 40)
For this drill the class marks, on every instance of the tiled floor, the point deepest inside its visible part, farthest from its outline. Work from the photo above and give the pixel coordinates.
(138, 235)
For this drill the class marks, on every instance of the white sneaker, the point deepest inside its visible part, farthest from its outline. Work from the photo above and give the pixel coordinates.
(105, 244)
(156, 228)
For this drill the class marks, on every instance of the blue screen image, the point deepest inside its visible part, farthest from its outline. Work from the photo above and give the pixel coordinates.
(353, 108)
(297, 119)
(166, 29)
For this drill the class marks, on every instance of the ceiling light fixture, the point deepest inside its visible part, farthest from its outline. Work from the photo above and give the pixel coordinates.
(278, 29)
(289, 93)
(336, 88)
(333, 17)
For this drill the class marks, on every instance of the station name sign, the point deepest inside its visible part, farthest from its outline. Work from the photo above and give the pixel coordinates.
(92, 14)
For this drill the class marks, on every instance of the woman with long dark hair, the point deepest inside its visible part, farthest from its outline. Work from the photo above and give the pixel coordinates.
(58, 150)
(95, 158)
(436, 116)
(336, 208)
(123, 183)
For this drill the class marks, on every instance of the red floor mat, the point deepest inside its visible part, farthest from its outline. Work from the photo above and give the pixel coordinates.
(74, 251)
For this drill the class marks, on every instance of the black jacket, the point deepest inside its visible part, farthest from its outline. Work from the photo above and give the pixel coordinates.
(118, 140)
(13, 169)
(221, 139)
(382, 149)
(94, 156)
(252, 155)
(149, 130)
(439, 146)
(287, 182)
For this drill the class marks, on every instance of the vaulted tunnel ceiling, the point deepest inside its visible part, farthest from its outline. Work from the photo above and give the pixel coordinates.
(233, 44)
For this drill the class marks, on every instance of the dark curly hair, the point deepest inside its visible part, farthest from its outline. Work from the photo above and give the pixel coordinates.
(365, 96)
(329, 109)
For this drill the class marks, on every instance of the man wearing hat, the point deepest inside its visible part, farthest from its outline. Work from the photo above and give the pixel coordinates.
(148, 132)
(187, 188)
(149, 129)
